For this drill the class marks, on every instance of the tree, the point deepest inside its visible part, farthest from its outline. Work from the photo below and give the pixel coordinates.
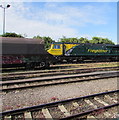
(100, 40)
(83, 40)
(68, 40)
(106, 41)
(37, 37)
(47, 41)
(12, 35)
(74, 40)
(95, 40)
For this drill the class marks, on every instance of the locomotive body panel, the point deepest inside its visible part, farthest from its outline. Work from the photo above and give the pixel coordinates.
(88, 49)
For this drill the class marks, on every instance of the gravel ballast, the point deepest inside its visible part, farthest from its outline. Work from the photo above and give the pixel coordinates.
(40, 95)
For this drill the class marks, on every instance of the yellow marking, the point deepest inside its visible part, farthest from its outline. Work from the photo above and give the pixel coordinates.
(97, 51)
(63, 109)
(47, 114)
(100, 101)
(90, 103)
(27, 116)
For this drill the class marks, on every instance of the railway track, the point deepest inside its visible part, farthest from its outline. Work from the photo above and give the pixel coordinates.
(42, 73)
(54, 80)
(91, 106)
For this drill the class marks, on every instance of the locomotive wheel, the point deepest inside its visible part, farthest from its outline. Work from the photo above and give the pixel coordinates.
(69, 60)
(79, 61)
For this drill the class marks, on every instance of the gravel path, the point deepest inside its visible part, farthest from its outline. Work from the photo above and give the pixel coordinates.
(35, 96)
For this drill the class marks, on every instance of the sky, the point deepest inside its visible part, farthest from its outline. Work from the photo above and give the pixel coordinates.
(65, 18)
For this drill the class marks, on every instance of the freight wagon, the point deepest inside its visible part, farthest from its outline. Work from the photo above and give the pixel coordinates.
(24, 52)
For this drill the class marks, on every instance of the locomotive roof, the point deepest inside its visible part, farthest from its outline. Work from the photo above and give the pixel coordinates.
(117, 46)
(64, 43)
(21, 40)
(98, 44)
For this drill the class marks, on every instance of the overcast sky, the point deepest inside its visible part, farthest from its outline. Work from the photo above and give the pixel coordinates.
(66, 18)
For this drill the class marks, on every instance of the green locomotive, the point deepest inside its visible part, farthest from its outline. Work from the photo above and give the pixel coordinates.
(86, 51)
(94, 51)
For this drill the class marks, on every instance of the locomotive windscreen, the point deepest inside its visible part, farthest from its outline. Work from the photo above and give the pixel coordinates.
(22, 46)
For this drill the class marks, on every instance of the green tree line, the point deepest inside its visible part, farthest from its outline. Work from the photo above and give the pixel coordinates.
(48, 40)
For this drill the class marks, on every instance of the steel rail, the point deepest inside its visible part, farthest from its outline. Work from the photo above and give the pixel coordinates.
(48, 84)
(55, 77)
(17, 111)
(61, 70)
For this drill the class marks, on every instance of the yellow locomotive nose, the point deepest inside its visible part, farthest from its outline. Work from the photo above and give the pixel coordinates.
(56, 49)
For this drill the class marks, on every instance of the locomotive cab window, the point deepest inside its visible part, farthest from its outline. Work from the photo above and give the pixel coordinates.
(56, 47)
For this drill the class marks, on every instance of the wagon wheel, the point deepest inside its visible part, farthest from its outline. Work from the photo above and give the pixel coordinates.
(43, 64)
(27, 66)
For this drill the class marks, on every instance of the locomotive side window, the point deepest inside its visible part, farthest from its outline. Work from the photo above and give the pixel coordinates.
(56, 47)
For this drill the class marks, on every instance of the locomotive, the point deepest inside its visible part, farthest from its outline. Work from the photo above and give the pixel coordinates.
(78, 52)
(18, 52)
